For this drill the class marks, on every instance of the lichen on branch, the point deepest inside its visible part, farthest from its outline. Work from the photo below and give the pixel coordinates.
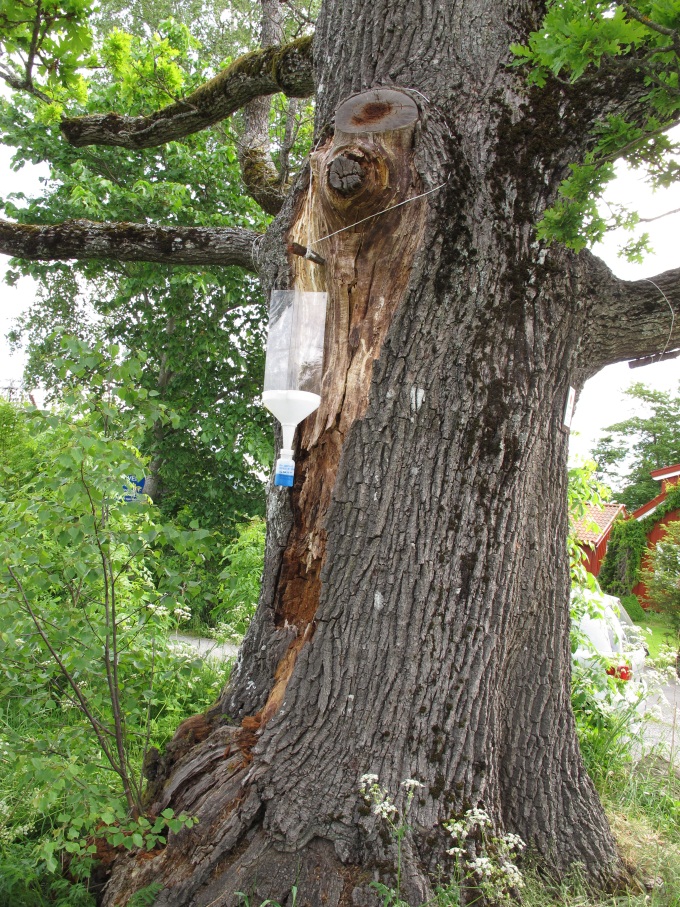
(283, 68)
(83, 239)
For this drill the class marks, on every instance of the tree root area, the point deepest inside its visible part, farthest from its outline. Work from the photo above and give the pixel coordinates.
(228, 859)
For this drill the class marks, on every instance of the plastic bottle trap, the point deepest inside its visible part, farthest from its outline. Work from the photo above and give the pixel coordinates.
(293, 367)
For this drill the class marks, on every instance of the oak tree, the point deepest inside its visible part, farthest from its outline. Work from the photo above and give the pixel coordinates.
(413, 621)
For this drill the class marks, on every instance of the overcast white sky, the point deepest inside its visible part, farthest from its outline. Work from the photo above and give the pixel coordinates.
(602, 401)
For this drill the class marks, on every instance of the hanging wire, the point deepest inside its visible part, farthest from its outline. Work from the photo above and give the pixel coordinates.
(377, 214)
(670, 333)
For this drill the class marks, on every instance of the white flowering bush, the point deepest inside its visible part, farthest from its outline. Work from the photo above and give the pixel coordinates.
(666, 662)
(486, 859)
(610, 712)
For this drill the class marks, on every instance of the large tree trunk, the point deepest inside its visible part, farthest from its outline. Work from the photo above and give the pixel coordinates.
(414, 614)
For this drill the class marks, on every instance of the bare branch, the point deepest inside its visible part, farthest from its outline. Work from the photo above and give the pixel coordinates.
(649, 220)
(19, 84)
(83, 239)
(628, 319)
(620, 152)
(286, 69)
(645, 20)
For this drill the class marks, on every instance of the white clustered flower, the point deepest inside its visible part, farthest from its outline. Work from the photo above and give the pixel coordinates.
(373, 793)
(486, 857)
(368, 779)
(181, 612)
(482, 866)
(514, 842)
(384, 809)
(411, 784)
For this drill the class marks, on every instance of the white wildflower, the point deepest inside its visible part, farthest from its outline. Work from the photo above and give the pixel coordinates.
(384, 809)
(411, 784)
(368, 779)
(514, 842)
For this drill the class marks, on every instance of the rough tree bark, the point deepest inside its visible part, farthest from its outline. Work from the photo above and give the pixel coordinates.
(414, 613)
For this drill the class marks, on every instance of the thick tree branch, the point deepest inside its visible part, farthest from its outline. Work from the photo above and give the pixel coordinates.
(628, 319)
(83, 239)
(286, 69)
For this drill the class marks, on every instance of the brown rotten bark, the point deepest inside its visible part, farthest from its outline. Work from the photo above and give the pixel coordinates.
(414, 613)
(286, 68)
(131, 242)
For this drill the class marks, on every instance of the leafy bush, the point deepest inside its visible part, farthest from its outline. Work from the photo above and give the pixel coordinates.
(240, 581)
(622, 565)
(634, 609)
(89, 595)
(608, 711)
(25, 883)
(662, 577)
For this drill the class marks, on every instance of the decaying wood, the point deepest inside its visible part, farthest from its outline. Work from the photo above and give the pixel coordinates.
(367, 270)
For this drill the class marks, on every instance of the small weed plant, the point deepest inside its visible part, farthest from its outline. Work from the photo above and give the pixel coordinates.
(384, 809)
(485, 860)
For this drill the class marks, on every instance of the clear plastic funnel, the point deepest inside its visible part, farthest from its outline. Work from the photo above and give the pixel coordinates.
(294, 366)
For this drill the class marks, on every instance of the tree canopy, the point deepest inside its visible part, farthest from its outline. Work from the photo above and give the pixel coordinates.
(633, 448)
(201, 331)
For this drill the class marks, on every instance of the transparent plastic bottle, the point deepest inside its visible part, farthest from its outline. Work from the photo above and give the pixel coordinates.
(294, 367)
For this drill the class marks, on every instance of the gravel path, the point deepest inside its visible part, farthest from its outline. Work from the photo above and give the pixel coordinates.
(666, 731)
(206, 648)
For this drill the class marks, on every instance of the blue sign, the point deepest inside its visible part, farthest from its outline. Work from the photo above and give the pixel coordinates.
(133, 491)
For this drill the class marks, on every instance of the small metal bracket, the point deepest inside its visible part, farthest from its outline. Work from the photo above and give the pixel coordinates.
(650, 360)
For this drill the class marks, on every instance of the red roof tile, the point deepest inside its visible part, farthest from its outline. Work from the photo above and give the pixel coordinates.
(595, 523)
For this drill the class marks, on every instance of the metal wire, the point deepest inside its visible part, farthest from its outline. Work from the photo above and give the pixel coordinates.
(377, 214)
(670, 333)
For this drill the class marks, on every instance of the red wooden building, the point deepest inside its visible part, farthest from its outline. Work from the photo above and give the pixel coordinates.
(593, 531)
(668, 476)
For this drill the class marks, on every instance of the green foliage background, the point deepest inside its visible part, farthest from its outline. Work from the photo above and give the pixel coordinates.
(633, 448)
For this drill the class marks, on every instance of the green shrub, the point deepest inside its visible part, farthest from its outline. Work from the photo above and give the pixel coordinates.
(90, 587)
(634, 609)
(240, 581)
(26, 883)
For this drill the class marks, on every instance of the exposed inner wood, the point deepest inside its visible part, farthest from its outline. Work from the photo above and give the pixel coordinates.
(377, 110)
(366, 274)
